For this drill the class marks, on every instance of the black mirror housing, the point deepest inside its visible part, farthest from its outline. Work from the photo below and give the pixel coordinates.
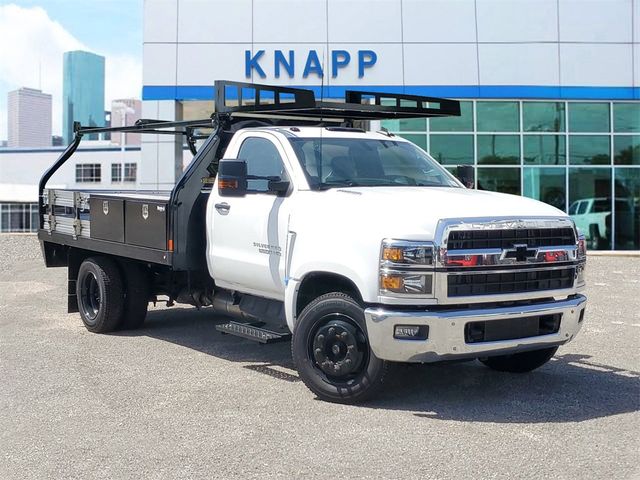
(232, 178)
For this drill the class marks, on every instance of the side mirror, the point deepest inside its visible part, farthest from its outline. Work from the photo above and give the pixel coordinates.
(232, 178)
(466, 175)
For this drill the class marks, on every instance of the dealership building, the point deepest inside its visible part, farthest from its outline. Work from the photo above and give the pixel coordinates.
(549, 89)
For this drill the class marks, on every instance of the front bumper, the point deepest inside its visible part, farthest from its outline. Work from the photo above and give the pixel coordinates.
(446, 339)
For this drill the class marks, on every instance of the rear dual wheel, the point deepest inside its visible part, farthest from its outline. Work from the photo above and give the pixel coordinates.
(331, 351)
(107, 300)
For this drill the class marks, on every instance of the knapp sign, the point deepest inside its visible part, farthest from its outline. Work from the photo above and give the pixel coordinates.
(280, 63)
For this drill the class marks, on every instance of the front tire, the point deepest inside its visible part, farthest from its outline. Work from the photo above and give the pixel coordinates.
(100, 294)
(520, 362)
(330, 349)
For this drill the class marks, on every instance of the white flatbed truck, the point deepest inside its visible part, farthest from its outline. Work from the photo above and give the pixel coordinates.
(357, 246)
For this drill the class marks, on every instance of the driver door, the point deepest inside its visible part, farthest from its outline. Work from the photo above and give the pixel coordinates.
(248, 235)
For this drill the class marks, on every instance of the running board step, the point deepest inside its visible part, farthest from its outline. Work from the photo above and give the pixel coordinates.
(251, 332)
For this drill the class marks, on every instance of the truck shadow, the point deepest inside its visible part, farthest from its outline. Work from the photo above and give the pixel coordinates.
(570, 388)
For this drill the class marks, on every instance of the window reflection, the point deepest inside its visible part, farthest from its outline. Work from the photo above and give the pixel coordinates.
(590, 204)
(589, 150)
(463, 123)
(627, 208)
(588, 117)
(544, 150)
(452, 149)
(498, 149)
(419, 140)
(626, 117)
(498, 116)
(626, 149)
(543, 117)
(546, 185)
(505, 180)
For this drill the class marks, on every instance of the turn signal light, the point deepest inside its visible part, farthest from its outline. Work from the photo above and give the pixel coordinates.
(392, 254)
(391, 282)
(227, 184)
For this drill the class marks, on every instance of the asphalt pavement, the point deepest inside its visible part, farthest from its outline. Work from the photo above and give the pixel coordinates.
(177, 399)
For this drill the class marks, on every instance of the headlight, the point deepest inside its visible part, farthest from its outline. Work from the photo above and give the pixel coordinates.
(401, 253)
(406, 268)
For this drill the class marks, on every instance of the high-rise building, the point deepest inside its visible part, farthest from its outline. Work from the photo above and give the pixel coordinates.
(29, 118)
(82, 91)
(125, 112)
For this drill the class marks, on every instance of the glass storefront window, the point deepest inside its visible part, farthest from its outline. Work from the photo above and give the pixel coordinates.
(505, 180)
(18, 217)
(626, 149)
(546, 185)
(454, 171)
(413, 125)
(543, 116)
(544, 150)
(498, 116)
(590, 204)
(452, 149)
(589, 150)
(391, 125)
(463, 123)
(588, 117)
(627, 208)
(498, 149)
(419, 140)
(626, 117)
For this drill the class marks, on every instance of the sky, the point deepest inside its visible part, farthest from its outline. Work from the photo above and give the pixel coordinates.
(34, 34)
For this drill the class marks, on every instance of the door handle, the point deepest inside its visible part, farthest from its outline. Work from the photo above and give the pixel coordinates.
(223, 208)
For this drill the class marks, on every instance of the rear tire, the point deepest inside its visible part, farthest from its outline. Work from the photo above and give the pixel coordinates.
(136, 299)
(520, 362)
(330, 349)
(100, 294)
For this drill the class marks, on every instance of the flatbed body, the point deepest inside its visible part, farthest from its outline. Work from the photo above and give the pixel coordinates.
(131, 224)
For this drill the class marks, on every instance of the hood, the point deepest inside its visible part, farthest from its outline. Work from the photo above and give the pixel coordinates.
(414, 212)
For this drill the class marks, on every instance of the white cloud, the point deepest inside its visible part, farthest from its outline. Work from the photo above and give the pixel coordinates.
(123, 78)
(31, 56)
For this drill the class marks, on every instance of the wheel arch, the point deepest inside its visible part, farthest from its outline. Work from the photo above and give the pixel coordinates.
(316, 283)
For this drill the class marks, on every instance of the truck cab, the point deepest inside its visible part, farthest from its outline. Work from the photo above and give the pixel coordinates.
(357, 245)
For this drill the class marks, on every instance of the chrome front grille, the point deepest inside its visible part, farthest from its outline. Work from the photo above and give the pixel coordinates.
(507, 238)
(483, 260)
(508, 282)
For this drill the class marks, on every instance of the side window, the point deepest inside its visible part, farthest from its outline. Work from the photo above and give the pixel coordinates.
(582, 208)
(263, 160)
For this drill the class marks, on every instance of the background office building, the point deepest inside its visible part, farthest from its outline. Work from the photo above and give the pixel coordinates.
(82, 91)
(28, 118)
(125, 112)
(550, 89)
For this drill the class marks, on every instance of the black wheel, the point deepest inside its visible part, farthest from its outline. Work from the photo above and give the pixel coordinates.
(136, 296)
(331, 351)
(520, 362)
(100, 294)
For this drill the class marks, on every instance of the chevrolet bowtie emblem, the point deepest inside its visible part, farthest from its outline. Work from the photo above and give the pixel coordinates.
(520, 253)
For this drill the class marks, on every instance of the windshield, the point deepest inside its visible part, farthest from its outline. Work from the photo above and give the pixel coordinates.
(355, 162)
